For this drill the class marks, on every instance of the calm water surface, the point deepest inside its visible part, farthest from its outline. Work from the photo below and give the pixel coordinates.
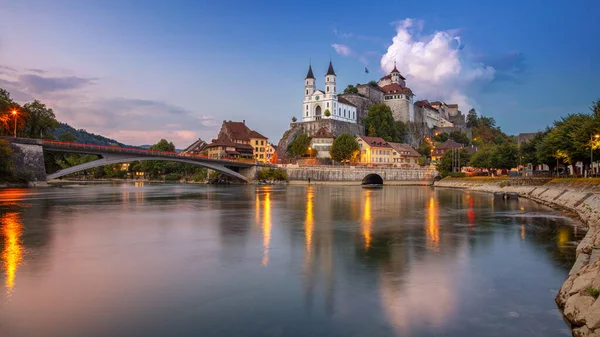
(178, 260)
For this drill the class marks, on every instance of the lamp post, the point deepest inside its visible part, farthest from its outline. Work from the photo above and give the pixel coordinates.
(14, 112)
(592, 153)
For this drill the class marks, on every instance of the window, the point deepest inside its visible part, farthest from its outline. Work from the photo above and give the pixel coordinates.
(307, 108)
(328, 89)
(261, 156)
(328, 104)
(262, 142)
(256, 142)
(256, 149)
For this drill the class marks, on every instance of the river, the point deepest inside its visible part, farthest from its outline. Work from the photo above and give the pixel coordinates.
(193, 260)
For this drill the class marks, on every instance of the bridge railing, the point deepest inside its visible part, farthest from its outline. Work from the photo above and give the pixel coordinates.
(118, 149)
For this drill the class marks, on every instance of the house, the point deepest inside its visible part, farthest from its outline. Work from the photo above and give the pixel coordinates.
(195, 148)
(322, 142)
(403, 155)
(441, 149)
(374, 151)
(237, 141)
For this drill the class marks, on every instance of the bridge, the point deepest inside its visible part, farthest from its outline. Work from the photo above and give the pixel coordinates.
(33, 150)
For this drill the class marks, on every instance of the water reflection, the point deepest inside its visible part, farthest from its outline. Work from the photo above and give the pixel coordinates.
(266, 227)
(12, 254)
(366, 221)
(433, 228)
(309, 221)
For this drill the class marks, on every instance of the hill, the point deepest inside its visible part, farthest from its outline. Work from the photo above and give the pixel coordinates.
(85, 137)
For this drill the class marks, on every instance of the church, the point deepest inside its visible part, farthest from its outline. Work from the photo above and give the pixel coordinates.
(325, 104)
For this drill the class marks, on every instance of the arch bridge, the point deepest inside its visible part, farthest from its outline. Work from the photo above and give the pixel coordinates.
(116, 155)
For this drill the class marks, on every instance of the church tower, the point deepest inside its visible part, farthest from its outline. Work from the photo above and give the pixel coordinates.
(309, 83)
(330, 82)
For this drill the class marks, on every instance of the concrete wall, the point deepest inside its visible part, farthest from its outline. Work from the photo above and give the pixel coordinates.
(356, 174)
(29, 160)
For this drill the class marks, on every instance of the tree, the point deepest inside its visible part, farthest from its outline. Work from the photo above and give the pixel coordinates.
(595, 108)
(483, 157)
(164, 146)
(7, 119)
(327, 113)
(441, 137)
(344, 148)
(67, 137)
(294, 119)
(445, 164)
(402, 131)
(380, 123)
(425, 149)
(505, 156)
(39, 120)
(6, 159)
(350, 89)
(472, 120)
(528, 150)
(299, 146)
(460, 137)
(373, 84)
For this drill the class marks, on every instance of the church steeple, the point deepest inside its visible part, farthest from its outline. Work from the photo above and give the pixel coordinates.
(330, 69)
(395, 70)
(310, 73)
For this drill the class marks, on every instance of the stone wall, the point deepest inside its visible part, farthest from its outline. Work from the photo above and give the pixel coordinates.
(362, 105)
(400, 109)
(357, 174)
(29, 161)
(577, 298)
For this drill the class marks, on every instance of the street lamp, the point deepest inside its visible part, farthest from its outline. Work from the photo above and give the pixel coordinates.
(14, 112)
(592, 152)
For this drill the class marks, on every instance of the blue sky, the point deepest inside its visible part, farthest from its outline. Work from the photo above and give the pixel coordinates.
(177, 69)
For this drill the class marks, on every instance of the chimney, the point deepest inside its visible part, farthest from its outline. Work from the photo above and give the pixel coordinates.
(244, 121)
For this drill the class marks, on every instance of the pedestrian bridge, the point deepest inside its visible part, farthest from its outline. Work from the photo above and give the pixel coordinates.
(116, 155)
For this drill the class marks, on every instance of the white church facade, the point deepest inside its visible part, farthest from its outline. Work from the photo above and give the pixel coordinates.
(325, 104)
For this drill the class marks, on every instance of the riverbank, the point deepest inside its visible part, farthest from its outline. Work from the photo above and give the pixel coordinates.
(358, 183)
(578, 297)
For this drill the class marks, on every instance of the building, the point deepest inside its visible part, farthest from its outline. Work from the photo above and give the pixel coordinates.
(325, 104)
(403, 155)
(427, 114)
(374, 151)
(397, 96)
(196, 148)
(441, 149)
(322, 141)
(238, 141)
(270, 152)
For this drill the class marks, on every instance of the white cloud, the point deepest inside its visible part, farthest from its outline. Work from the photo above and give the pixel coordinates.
(342, 49)
(434, 65)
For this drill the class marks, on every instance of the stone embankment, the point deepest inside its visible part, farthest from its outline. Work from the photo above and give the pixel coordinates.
(355, 174)
(578, 297)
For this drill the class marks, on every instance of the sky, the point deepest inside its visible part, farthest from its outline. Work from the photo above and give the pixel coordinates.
(141, 71)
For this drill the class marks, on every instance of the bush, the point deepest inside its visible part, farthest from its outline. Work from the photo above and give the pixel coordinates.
(593, 292)
(121, 174)
(172, 177)
(272, 174)
(457, 174)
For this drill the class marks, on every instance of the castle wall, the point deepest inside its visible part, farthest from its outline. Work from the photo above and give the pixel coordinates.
(362, 105)
(400, 109)
(370, 92)
(334, 126)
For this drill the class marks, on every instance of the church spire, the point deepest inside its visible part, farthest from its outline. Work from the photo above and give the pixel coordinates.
(330, 69)
(310, 73)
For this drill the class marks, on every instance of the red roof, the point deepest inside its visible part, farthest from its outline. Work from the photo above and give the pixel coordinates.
(424, 104)
(403, 148)
(396, 89)
(237, 130)
(323, 133)
(345, 101)
(452, 105)
(449, 144)
(375, 141)
(254, 134)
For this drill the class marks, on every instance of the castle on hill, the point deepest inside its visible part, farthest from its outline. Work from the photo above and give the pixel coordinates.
(321, 105)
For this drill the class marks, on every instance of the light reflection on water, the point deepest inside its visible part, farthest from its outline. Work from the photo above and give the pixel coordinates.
(165, 260)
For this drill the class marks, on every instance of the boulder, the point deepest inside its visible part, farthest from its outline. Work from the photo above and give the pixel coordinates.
(577, 308)
(592, 319)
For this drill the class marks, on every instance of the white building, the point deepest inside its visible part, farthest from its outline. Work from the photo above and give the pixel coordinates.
(325, 104)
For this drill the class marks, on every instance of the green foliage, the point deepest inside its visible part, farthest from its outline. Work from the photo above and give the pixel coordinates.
(505, 156)
(593, 292)
(327, 113)
(84, 137)
(445, 163)
(271, 173)
(344, 148)
(528, 149)
(299, 146)
(441, 137)
(373, 84)
(380, 123)
(67, 137)
(6, 159)
(483, 157)
(456, 174)
(39, 120)
(402, 131)
(350, 89)
(460, 137)
(164, 146)
(595, 108)
(425, 149)
(173, 177)
(472, 120)
(294, 119)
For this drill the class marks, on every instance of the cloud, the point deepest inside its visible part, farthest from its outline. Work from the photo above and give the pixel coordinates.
(510, 67)
(342, 49)
(434, 66)
(37, 71)
(38, 84)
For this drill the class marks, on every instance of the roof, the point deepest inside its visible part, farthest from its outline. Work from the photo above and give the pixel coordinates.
(330, 70)
(345, 101)
(395, 70)
(196, 146)
(389, 76)
(424, 104)
(310, 73)
(323, 133)
(452, 105)
(221, 142)
(405, 148)
(395, 88)
(237, 130)
(375, 141)
(449, 144)
(254, 134)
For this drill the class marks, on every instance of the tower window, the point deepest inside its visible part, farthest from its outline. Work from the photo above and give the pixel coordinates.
(307, 91)
(327, 89)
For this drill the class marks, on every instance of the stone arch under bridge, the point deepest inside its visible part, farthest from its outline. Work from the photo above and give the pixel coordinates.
(109, 160)
(372, 179)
